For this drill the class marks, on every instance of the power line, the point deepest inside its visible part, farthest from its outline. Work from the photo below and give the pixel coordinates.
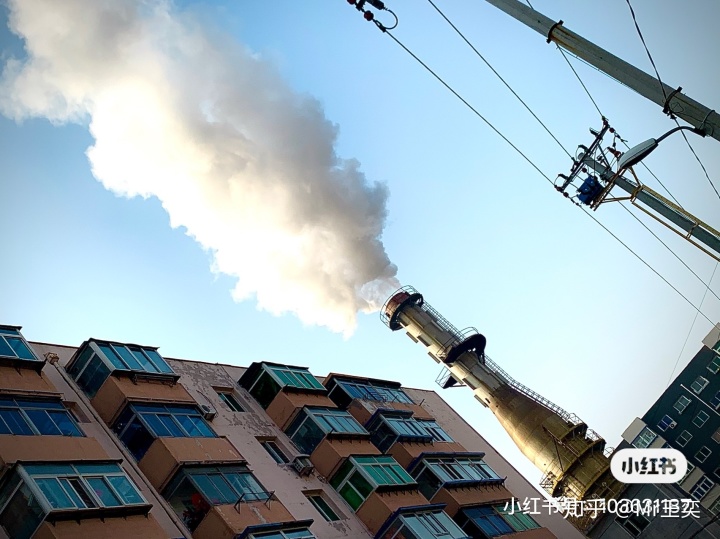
(498, 76)
(524, 156)
(662, 87)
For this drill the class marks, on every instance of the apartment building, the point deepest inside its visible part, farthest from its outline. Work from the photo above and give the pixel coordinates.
(112, 439)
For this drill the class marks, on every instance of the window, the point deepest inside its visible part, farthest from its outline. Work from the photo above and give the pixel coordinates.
(681, 404)
(714, 365)
(230, 401)
(35, 490)
(193, 491)
(715, 401)
(140, 424)
(358, 477)
(699, 384)
(275, 452)
(390, 427)
(666, 423)
(690, 469)
(700, 419)
(634, 523)
(300, 533)
(323, 507)
(715, 507)
(701, 488)
(684, 438)
(644, 439)
(433, 472)
(423, 525)
(264, 381)
(95, 360)
(434, 430)
(313, 424)
(483, 520)
(514, 516)
(29, 417)
(702, 454)
(716, 436)
(14, 346)
(371, 392)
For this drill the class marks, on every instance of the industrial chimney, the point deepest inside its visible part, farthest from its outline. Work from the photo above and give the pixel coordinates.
(573, 459)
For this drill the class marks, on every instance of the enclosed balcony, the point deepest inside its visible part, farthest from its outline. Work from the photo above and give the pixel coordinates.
(15, 350)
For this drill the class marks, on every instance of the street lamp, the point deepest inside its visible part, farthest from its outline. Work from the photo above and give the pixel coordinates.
(637, 153)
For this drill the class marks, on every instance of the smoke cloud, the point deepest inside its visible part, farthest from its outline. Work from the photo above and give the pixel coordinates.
(245, 164)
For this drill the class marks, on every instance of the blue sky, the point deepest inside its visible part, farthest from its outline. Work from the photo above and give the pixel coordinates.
(566, 309)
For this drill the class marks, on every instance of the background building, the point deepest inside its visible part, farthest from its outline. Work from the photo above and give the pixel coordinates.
(686, 418)
(113, 439)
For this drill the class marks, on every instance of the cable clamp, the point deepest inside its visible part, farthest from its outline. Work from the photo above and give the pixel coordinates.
(552, 29)
(666, 105)
(702, 128)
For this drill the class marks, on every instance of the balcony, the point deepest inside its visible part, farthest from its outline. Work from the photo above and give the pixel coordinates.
(166, 455)
(233, 519)
(16, 352)
(332, 452)
(116, 392)
(382, 504)
(129, 526)
(14, 448)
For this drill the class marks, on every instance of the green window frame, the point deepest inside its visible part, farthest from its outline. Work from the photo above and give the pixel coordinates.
(359, 476)
(293, 377)
(514, 516)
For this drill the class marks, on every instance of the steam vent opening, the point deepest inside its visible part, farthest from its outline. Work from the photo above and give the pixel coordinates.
(572, 458)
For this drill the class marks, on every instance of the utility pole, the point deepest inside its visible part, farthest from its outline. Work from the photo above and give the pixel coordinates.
(672, 100)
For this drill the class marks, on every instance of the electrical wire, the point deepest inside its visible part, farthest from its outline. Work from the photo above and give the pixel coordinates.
(468, 105)
(662, 87)
(524, 156)
(479, 55)
(691, 327)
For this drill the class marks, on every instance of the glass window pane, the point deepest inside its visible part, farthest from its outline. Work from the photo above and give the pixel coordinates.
(71, 491)
(128, 358)
(87, 469)
(43, 423)
(209, 490)
(20, 348)
(147, 365)
(5, 349)
(112, 357)
(49, 469)
(125, 489)
(245, 483)
(22, 515)
(93, 376)
(103, 492)
(54, 493)
(159, 362)
(351, 496)
(137, 438)
(66, 425)
(16, 422)
(361, 484)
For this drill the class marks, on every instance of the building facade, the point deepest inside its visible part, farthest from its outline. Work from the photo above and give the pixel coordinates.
(111, 439)
(685, 417)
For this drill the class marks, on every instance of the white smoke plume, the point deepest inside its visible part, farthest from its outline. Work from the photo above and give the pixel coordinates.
(236, 157)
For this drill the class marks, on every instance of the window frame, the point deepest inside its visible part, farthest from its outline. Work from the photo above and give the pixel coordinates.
(666, 423)
(428, 523)
(229, 400)
(322, 422)
(453, 470)
(684, 437)
(486, 514)
(313, 498)
(703, 457)
(435, 430)
(714, 365)
(74, 476)
(362, 465)
(13, 333)
(281, 534)
(295, 377)
(642, 437)
(275, 452)
(373, 392)
(518, 520)
(680, 404)
(715, 401)
(701, 487)
(699, 421)
(22, 411)
(701, 382)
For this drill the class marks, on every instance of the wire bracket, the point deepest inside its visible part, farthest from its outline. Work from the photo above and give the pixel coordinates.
(666, 105)
(552, 29)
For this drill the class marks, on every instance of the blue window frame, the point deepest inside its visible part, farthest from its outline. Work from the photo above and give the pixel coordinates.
(313, 424)
(485, 520)
(140, 424)
(432, 524)
(433, 472)
(193, 491)
(35, 490)
(14, 346)
(96, 360)
(374, 392)
(36, 417)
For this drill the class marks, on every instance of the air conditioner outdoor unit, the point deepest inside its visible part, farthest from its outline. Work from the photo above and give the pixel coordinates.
(672, 425)
(208, 411)
(302, 465)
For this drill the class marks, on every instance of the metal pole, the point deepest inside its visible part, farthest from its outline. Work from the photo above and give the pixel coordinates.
(672, 100)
